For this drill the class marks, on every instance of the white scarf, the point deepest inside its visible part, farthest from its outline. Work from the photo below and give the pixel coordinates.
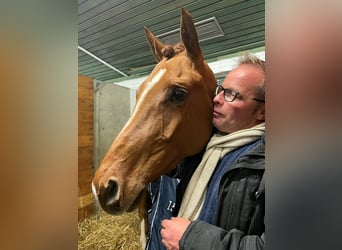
(218, 146)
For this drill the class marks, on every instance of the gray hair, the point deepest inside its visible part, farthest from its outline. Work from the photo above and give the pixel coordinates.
(248, 58)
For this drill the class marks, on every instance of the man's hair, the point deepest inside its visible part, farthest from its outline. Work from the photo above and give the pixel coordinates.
(248, 58)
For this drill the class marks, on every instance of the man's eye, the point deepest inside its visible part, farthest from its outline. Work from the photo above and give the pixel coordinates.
(229, 91)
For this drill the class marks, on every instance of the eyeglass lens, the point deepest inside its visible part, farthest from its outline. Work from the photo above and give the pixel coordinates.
(229, 94)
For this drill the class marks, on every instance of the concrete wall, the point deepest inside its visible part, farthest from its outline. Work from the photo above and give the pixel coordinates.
(113, 106)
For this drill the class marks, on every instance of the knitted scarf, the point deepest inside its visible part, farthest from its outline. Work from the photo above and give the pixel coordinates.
(218, 146)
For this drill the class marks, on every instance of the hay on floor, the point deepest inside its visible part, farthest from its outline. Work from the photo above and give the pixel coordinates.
(105, 231)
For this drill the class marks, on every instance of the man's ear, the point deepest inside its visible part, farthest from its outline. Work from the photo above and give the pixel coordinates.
(261, 113)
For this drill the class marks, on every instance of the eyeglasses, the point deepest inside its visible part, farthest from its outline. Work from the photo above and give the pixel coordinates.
(230, 95)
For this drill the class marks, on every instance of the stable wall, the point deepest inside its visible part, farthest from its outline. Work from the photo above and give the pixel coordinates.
(112, 110)
(103, 110)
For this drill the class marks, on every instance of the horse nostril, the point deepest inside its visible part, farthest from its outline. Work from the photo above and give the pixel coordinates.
(111, 192)
(112, 188)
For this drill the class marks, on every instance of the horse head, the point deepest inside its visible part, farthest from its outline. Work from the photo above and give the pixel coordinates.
(172, 119)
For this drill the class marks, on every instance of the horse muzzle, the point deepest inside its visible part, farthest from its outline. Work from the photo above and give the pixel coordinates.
(108, 196)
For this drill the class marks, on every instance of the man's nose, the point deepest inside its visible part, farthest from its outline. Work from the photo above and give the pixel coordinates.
(218, 98)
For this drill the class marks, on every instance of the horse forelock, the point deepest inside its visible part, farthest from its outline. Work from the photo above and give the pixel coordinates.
(169, 51)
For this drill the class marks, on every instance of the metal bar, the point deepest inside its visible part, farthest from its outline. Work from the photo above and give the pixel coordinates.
(100, 60)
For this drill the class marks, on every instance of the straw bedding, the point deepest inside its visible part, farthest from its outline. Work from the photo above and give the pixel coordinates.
(105, 231)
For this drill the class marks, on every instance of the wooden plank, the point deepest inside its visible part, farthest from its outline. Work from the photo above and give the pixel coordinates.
(85, 177)
(85, 140)
(84, 92)
(85, 166)
(85, 116)
(85, 105)
(82, 159)
(85, 200)
(86, 163)
(85, 180)
(84, 189)
(85, 151)
(85, 212)
(85, 128)
(85, 82)
(85, 145)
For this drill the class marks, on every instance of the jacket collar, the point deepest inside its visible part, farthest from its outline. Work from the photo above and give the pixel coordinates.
(253, 159)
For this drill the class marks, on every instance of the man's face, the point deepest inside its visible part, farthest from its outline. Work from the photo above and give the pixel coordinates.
(243, 112)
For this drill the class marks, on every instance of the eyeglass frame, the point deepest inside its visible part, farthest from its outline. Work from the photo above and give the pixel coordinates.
(219, 89)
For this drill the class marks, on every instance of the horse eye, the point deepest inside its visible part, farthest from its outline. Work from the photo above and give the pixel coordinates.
(179, 94)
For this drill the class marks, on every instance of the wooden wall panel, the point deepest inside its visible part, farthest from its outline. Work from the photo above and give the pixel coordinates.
(85, 104)
(85, 146)
(85, 128)
(85, 152)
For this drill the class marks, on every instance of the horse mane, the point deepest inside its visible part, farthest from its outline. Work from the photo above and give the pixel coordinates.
(169, 51)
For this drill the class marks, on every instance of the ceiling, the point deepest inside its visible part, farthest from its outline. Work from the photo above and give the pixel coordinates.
(112, 42)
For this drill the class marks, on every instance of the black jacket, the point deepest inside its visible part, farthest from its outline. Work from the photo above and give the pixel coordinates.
(241, 208)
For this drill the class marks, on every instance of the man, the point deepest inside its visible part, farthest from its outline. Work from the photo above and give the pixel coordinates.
(223, 205)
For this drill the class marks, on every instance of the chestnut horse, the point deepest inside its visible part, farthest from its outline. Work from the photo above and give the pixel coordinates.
(171, 120)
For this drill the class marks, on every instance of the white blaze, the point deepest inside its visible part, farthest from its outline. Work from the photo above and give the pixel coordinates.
(149, 86)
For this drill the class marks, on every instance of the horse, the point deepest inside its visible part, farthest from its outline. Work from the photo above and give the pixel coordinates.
(171, 120)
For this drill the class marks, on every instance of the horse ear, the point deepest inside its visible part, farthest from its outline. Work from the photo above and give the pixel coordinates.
(189, 36)
(155, 44)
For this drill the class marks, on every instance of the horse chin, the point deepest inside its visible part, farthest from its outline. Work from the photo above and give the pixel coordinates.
(136, 202)
(131, 208)
(117, 209)
(114, 209)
